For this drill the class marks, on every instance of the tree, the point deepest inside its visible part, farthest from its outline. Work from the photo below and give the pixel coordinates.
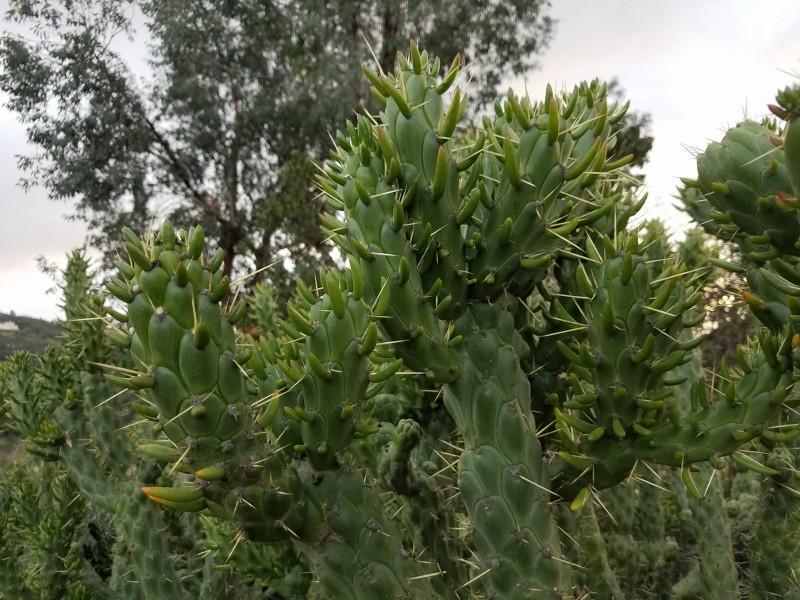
(240, 96)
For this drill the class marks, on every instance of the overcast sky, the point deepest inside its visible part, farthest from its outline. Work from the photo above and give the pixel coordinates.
(696, 66)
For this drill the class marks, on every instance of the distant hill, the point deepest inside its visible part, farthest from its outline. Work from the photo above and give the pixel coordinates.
(25, 333)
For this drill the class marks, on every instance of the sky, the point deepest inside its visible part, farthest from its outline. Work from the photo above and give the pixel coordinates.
(696, 66)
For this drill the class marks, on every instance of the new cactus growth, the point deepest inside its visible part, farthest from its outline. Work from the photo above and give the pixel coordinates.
(494, 399)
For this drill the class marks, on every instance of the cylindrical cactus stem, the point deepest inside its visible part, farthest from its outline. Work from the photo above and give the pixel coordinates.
(598, 577)
(775, 548)
(415, 469)
(617, 515)
(649, 535)
(715, 575)
(142, 528)
(358, 552)
(200, 393)
(789, 101)
(719, 425)
(503, 479)
(183, 340)
(689, 587)
(337, 372)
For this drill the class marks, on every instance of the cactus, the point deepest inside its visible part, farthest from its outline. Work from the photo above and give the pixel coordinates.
(774, 547)
(445, 241)
(592, 552)
(72, 504)
(498, 397)
(410, 286)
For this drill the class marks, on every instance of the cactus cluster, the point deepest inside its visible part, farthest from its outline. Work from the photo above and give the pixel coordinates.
(499, 396)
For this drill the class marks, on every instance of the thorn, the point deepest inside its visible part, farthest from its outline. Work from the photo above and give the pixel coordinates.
(473, 580)
(180, 460)
(110, 398)
(256, 272)
(708, 485)
(566, 562)
(180, 414)
(541, 487)
(239, 537)
(600, 502)
(132, 424)
(427, 576)
(115, 368)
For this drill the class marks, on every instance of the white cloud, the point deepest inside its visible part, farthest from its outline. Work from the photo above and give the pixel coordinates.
(31, 226)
